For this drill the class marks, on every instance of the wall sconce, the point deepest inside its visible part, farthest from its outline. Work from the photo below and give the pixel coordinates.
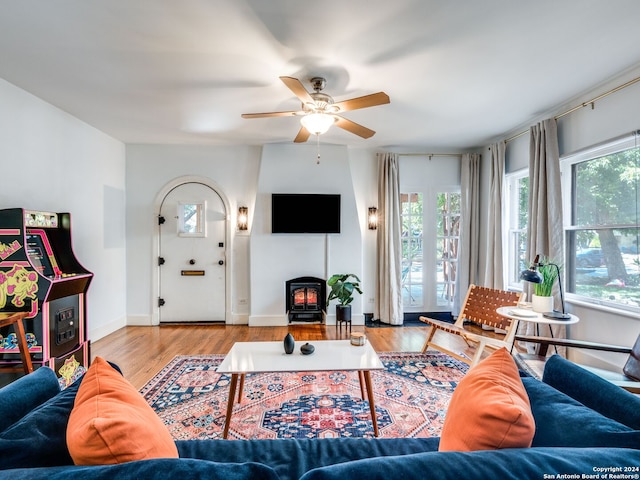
(243, 218)
(372, 219)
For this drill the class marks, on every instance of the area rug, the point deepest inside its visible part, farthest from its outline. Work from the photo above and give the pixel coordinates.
(411, 396)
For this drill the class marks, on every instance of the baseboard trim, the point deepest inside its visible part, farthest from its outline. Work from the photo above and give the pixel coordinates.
(104, 330)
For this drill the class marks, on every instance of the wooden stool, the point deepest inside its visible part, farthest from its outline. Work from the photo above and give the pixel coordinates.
(15, 319)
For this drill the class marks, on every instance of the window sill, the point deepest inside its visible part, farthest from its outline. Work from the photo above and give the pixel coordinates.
(570, 299)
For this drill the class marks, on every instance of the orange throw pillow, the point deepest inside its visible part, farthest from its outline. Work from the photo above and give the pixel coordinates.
(489, 409)
(112, 423)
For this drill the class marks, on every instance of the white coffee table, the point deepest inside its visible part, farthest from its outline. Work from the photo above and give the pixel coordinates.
(329, 355)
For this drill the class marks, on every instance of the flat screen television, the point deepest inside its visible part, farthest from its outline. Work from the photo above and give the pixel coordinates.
(305, 213)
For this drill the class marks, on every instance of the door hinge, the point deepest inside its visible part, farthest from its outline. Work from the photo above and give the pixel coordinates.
(160, 261)
(160, 220)
(161, 302)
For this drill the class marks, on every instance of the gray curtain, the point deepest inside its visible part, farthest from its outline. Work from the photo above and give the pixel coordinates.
(388, 304)
(545, 227)
(468, 264)
(494, 269)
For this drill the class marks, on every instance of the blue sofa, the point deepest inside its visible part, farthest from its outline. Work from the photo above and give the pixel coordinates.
(584, 426)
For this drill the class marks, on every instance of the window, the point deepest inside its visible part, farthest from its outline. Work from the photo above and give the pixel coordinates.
(600, 187)
(191, 219)
(429, 256)
(517, 214)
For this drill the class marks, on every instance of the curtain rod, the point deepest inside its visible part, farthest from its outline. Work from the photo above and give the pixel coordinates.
(430, 154)
(582, 105)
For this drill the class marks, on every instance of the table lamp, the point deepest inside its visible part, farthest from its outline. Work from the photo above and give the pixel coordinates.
(534, 276)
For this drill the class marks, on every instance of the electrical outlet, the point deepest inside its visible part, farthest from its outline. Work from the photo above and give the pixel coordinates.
(242, 301)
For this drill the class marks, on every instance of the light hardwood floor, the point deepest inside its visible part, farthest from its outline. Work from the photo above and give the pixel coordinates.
(141, 352)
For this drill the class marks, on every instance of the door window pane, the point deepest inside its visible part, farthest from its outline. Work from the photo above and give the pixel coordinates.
(191, 222)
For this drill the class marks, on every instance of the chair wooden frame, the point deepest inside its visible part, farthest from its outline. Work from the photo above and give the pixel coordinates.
(479, 307)
(627, 378)
(15, 319)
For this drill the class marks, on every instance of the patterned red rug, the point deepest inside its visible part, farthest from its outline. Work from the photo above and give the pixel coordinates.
(411, 395)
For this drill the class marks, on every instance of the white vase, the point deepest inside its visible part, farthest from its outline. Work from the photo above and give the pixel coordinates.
(541, 304)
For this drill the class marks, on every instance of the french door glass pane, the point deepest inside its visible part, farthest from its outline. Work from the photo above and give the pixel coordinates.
(435, 271)
(412, 242)
(448, 215)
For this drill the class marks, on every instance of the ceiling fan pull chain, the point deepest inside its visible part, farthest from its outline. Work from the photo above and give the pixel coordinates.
(318, 159)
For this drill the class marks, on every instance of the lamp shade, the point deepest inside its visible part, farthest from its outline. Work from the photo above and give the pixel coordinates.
(531, 275)
(317, 123)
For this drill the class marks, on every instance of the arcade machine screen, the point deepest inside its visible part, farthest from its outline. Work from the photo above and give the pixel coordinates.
(40, 253)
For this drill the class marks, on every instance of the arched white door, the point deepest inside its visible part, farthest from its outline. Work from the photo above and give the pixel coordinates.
(192, 255)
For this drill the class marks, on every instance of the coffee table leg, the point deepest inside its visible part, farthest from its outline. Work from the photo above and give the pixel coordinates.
(362, 383)
(232, 396)
(241, 388)
(372, 405)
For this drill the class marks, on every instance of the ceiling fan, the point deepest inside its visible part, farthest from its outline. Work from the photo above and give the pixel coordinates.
(319, 112)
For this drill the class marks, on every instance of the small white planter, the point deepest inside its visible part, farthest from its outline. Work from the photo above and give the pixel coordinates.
(541, 304)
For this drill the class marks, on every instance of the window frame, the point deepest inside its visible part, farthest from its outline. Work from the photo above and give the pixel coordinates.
(608, 147)
(510, 227)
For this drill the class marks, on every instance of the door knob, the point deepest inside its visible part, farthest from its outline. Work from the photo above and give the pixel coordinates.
(192, 262)
(220, 262)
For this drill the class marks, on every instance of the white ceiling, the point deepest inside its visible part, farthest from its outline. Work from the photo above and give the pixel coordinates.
(460, 73)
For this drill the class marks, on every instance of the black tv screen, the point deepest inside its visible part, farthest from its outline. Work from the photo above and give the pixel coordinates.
(305, 213)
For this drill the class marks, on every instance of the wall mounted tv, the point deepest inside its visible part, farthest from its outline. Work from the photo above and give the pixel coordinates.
(305, 213)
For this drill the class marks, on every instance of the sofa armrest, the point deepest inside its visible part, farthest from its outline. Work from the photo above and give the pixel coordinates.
(26, 393)
(592, 391)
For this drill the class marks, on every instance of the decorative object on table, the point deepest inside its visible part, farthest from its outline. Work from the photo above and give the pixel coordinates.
(544, 275)
(342, 289)
(358, 339)
(307, 349)
(286, 405)
(289, 344)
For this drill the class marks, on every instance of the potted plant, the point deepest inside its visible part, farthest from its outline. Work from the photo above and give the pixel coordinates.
(542, 299)
(342, 287)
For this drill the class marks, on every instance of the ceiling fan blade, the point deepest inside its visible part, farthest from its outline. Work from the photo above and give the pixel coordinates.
(303, 135)
(372, 100)
(298, 89)
(354, 127)
(270, 114)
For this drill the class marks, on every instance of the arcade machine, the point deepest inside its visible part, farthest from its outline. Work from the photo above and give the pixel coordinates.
(39, 273)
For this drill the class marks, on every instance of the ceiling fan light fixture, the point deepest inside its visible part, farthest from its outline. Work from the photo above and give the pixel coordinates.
(317, 123)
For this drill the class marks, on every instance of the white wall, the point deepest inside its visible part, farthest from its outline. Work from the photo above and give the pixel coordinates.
(612, 116)
(149, 168)
(248, 175)
(277, 258)
(52, 161)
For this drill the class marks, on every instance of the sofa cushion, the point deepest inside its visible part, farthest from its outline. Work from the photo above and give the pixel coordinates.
(489, 409)
(160, 469)
(112, 423)
(529, 463)
(38, 438)
(20, 397)
(291, 458)
(562, 421)
(593, 391)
